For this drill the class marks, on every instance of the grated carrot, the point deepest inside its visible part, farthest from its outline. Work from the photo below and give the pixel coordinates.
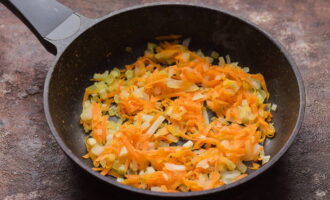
(163, 139)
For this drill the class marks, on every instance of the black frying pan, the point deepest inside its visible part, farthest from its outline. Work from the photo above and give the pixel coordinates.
(87, 46)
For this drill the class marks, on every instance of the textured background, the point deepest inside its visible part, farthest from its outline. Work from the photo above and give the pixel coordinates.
(32, 166)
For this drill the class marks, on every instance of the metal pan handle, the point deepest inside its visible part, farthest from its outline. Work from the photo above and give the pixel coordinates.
(52, 22)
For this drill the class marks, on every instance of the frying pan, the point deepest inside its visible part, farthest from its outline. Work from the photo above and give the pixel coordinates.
(86, 46)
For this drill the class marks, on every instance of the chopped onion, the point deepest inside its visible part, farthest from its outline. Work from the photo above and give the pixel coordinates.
(123, 151)
(262, 154)
(234, 63)
(274, 107)
(137, 92)
(222, 62)
(120, 180)
(261, 95)
(199, 151)
(156, 125)
(169, 111)
(104, 106)
(245, 112)
(229, 164)
(200, 53)
(206, 117)
(149, 170)
(231, 85)
(133, 166)
(113, 110)
(245, 102)
(110, 134)
(228, 59)
(147, 118)
(255, 83)
(214, 54)
(203, 164)
(145, 96)
(192, 88)
(156, 189)
(229, 176)
(91, 141)
(225, 144)
(97, 149)
(109, 137)
(120, 168)
(101, 77)
(198, 96)
(124, 94)
(257, 148)
(246, 69)
(163, 144)
(219, 77)
(145, 125)
(151, 47)
(174, 167)
(87, 111)
(103, 163)
(116, 98)
(115, 73)
(111, 157)
(209, 59)
(265, 159)
(241, 167)
(188, 144)
(172, 83)
(129, 74)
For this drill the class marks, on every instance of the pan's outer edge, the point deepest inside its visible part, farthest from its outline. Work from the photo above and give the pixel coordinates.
(180, 194)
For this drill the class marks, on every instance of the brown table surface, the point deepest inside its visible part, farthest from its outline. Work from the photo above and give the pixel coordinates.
(32, 166)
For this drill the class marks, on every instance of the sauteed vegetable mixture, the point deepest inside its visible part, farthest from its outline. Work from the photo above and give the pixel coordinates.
(174, 121)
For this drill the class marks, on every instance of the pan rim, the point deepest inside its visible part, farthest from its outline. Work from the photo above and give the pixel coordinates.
(274, 159)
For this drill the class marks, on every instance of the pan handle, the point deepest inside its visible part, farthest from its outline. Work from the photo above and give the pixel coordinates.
(52, 22)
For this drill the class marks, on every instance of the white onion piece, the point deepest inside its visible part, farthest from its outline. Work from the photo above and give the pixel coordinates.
(241, 167)
(91, 141)
(198, 96)
(206, 117)
(188, 144)
(97, 150)
(229, 176)
(174, 167)
(149, 170)
(172, 83)
(155, 189)
(203, 164)
(156, 125)
(265, 159)
(123, 151)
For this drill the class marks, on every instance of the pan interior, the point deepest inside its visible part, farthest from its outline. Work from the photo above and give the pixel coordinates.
(102, 47)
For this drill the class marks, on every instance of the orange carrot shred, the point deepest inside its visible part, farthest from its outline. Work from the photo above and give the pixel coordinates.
(182, 122)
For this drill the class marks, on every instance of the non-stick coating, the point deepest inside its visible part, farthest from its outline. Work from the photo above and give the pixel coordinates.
(102, 47)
